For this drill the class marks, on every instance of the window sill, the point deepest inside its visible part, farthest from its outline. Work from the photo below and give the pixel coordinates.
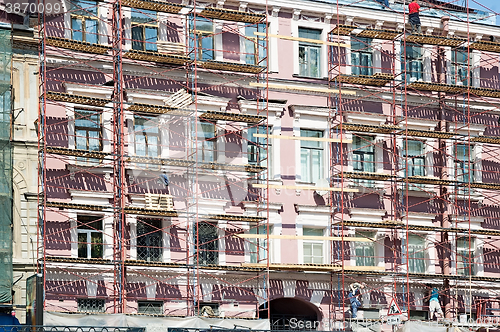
(310, 77)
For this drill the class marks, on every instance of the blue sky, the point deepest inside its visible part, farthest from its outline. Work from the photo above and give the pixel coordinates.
(493, 5)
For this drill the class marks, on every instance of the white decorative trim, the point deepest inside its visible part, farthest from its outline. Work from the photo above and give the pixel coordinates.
(367, 215)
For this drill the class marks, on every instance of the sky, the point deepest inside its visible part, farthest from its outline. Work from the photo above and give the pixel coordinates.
(492, 5)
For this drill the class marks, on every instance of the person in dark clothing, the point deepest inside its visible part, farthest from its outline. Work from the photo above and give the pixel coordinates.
(384, 2)
(353, 297)
(7, 321)
(414, 17)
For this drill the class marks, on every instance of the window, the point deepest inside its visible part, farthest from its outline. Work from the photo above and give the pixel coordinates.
(461, 62)
(149, 240)
(415, 257)
(207, 244)
(89, 237)
(150, 307)
(413, 158)
(313, 249)
(258, 247)
(258, 146)
(206, 142)
(365, 251)
(311, 156)
(202, 39)
(147, 137)
(84, 21)
(464, 163)
(255, 46)
(465, 256)
(91, 305)
(144, 30)
(361, 56)
(88, 130)
(309, 53)
(414, 63)
(363, 153)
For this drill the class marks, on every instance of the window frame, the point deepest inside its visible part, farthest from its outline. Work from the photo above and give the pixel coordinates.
(83, 14)
(406, 61)
(103, 301)
(257, 247)
(311, 163)
(469, 164)
(370, 235)
(256, 43)
(88, 233)
(198, 37)
(414, 249)
(456, 65)
(149, 234)
(147, 134)
(144, 26)
(412, 165)
(308, 46)
(313, 243)
(88, 129)
(210, 244)
(359, 151)
(367, 49)
(161, 303)
(206, 154)
(463, 262)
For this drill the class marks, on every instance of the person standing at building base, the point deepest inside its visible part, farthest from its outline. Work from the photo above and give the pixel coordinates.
(414, 17)
(355, 292)
(434, 305)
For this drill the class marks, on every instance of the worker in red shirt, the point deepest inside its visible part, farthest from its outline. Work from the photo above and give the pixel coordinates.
(414, 17)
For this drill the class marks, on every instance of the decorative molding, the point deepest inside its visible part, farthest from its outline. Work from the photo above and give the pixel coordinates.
(296, 14)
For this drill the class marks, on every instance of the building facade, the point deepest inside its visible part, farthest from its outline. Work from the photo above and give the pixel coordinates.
(254, 159)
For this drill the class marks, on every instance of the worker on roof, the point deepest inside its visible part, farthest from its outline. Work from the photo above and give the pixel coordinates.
(384, 2)
(354, 294)
(434, 305)
(414, 17)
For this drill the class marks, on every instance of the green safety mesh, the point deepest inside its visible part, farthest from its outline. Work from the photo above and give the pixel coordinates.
(5, 169)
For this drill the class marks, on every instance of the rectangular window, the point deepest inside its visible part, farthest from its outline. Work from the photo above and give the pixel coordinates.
(201, 41)
(461, 62)
(413, 158)
(309, 53)
(147, 136)
(415, 255)
(149, 240)
(414, 63)
(464, 163)
(206, 142)
(91, 305)
(363, 153)
(255, 46)
(365, 251)
(361, 56)
(313, 249)
(258, 247)
(144, 30)
(150, 307)
(311, 156)
(88, 130)
(465, 256)
(207, 243)
(90, 237)
(258, 147)
(84, 21)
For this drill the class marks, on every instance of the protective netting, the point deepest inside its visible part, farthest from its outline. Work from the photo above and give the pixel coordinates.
(5, 169)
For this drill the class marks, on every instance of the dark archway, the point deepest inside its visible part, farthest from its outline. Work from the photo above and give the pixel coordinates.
(291, 314)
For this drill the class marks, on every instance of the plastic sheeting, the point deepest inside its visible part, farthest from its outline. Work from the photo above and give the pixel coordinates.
(417, 326)
(5, 169)
(152, 324)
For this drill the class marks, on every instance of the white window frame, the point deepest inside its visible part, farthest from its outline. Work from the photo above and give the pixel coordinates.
(311, 216)
(275, 221)
(377, 237)
(404, 242)
(475, 67)
(162, 18)
(464, 223)
(322, 243)
(273, 122)
(324, 28)
(313, 118)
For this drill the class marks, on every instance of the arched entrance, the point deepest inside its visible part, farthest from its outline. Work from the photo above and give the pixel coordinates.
(291, 314)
